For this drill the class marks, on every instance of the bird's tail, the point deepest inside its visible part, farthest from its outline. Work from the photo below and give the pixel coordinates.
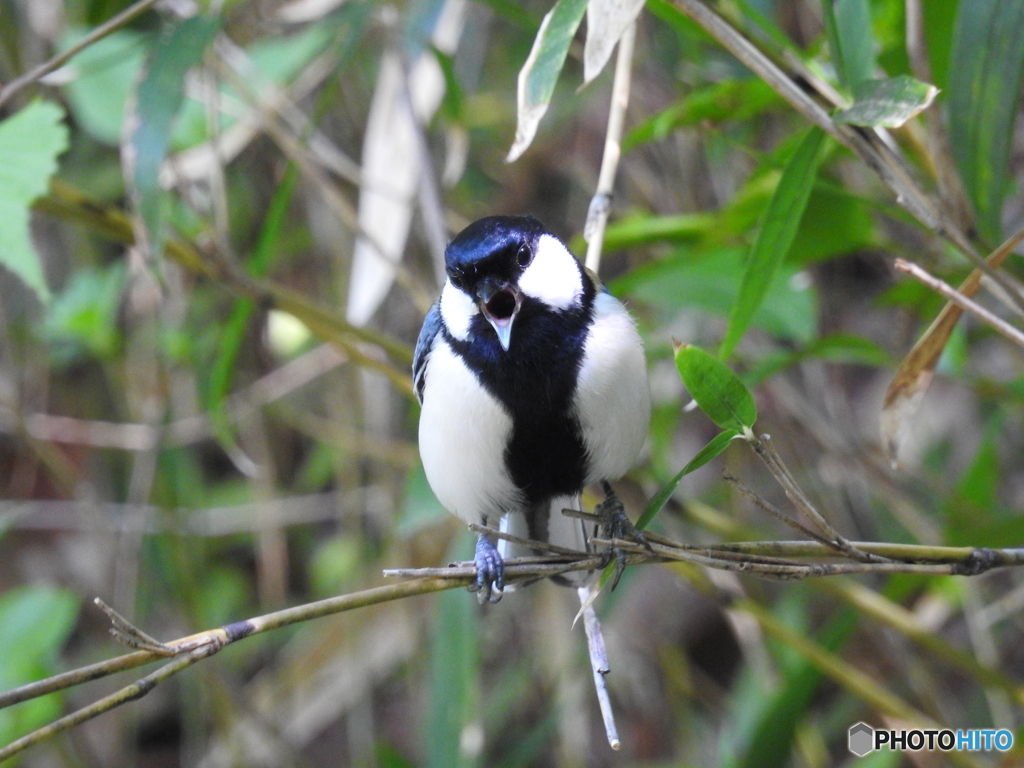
(545, 522)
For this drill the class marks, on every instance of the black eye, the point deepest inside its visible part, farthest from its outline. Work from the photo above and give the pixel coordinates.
(524, 255)
(457, 278)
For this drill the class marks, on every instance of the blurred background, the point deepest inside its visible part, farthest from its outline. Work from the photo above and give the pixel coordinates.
(215, 421)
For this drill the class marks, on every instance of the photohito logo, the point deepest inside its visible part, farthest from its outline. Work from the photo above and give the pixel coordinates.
(863, 739)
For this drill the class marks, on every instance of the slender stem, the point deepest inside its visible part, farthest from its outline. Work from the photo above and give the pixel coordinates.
(950, 293)
(600, 205)
(136, 690)
(765, 450)
(775, 512)
(113, 24)
(599, 666)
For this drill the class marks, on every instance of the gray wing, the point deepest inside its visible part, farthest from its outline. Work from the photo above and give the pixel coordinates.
(431, 327)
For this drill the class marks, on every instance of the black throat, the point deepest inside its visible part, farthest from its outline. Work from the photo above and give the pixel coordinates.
(535, 379)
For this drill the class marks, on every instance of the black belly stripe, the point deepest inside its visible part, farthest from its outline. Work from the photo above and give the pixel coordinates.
(535, 380)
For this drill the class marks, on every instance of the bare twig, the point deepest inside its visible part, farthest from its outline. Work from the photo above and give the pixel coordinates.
(600, 204)
(530, 543)
(762, 559)
(599, 666)
(127, 633)
(113, 24)
(765, 450)
(136, 690)
(774, 511)
(950, 293)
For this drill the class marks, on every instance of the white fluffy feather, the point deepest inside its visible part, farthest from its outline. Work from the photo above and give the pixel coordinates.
(463, 433)
(613, 402)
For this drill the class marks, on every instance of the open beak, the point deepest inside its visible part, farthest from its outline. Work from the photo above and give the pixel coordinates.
(500, 304)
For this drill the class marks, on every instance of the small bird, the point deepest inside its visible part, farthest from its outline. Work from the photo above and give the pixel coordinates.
(533, 385)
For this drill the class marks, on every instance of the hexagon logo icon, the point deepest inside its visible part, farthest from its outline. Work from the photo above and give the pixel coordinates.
(861, 739)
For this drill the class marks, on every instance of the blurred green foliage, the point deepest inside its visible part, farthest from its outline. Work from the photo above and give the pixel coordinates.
(175, 437)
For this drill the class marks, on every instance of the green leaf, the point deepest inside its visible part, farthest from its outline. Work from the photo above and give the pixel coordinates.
(34, 624)
(939, 22)
(838, 348)
(539, 74)
(717, 390)
(710, 281)
(83, 316)
(731, 100)
(887, 103)
(778, 229)
(158, 99)
(986, 70)
(771, 732)
(848, 26)
(104, 75)
(30, 142)
(454, 677)
(642, 229)
(718, 444)
(222, 371)
(834, 223)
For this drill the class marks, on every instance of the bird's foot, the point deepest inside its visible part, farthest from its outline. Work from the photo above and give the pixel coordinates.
(617, 525)
(490, 571)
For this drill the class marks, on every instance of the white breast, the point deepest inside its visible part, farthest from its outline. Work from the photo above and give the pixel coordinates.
(613, 402)
(463, 434)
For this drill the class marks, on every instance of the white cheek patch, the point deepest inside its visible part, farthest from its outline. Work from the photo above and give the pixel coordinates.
(553, 276)
(457, 310)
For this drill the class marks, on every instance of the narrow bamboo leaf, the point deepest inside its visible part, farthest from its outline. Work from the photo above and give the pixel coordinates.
(838, 348)
(454, 679)
(234, 330)
(986, 70)
(774, 238)
(606, 21)
(887, 103)
(30, 142)
(848, 26)
(634, 231)
(157, 101)
(769, 741)
(717, 444)
(917, 369)
(34, 624)
(717, 390)
(732, 100)
(539, 74)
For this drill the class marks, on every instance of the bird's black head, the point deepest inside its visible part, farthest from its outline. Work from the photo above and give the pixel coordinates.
(497, 263)
(496, 246)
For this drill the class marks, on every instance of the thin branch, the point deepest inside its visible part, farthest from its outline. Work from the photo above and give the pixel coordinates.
(599, 666)
(530, 543)
(950, 293)
(765, 450)
(775, 512)
(964, 561)
(113, 24)
(136, 690)
(600, 204)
